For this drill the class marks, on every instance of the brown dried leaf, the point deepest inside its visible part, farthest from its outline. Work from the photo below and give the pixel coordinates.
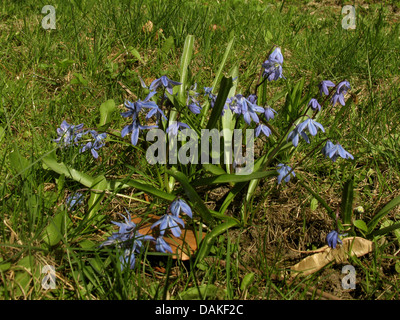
(148, 26)
(354, 246)
(183, 247)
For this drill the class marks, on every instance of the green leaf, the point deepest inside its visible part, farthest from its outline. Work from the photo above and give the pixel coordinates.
(360, 224)
(4, 266)
(384, 211)
(209, 239)
(223, 61)
(231, 195)
(209, 291)
(99, 185)
(168, 45)
(18, 163)
(233, 178)
(313, 204)
(185, 61)
(2, 133)
(217, 76)
(347, 201)
(79, 80)
(214, 169)
(247, 281)
(386, 229)
(151, 190)
(317, 196)
(106, 111)
(223, 93)
(71, 173)
(136, 54)
(55, 230)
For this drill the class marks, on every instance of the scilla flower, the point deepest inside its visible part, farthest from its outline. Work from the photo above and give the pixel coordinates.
(311, 125)
(341, 90)
(165, 82)
(273, 65)
(284, 173)
(178, 206)
(333, 151)
(332, 239)
(323, 87)
(314, 104)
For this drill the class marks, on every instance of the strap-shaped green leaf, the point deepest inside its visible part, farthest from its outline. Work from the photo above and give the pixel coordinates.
(233, 178)
(223, 93)
(384, 211)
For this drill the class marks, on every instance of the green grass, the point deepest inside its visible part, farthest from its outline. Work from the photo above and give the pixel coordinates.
(67, 73)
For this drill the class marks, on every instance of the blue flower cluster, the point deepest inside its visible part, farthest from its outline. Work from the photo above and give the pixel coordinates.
(329, 150)
(73, 135)
(131, 240)
(134, 108)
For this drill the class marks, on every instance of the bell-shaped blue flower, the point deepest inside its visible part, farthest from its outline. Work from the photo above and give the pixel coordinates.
(284, 173)
(332, 239)
(273, 65)
(262, 128)
(311, 125)
(314, 104)
(269, 113)
(341, 90)
(162, 245)
(295, 134)
(165, 82)
(324, 85)
(180, 205)
(333, 151)
(169, 221)
(175, 126)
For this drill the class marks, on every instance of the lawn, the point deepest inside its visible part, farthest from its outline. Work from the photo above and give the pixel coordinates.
(77, 203)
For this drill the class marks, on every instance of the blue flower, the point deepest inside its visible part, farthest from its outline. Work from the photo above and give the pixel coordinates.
(294, 136)
(127, 233)
(236, 103)
(323, 86)
(341, 90)
(314, 104)
(178, 206)
(135, 107)
(333, 151)
(273, 65)
(162, 245)
(208, 92)
(168, 221)
(128, 259)
(96, 144)
(165, 82)
(249, 112)
(333, 239)
(74, 200)
(311, 125)
(67, 133)
(262, 128)
(252, 98)
(284, 172)
(269, 113)
(129, 239)
(175, 126)
(135, 127)
(240, 105)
